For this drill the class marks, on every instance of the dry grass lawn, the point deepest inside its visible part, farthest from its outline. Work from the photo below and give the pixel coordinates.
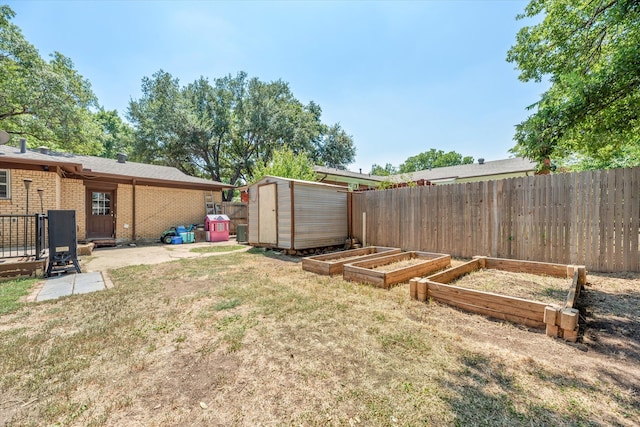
(251, 339)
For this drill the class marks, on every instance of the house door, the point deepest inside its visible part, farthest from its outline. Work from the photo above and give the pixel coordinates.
(267, 219)
(100, 209)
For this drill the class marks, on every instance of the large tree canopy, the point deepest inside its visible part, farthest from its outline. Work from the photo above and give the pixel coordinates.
(590, 52)
(45, 102)
(225, 129)
(433, 159)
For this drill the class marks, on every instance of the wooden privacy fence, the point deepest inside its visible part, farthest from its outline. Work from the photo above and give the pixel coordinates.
(237, 213)
(589, 218)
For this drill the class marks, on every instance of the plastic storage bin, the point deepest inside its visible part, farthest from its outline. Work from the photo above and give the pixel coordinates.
(188, 237)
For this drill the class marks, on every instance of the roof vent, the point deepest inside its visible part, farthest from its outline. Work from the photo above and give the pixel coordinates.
(43, 149)
(122, 158)
(481, 161)
(23, 145)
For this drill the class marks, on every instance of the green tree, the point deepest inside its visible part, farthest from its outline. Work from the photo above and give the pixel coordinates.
(433, 159)
(387, 170)
(116, 136)
(590, 52)
(286, 163)
(45, 102)
(336, 149)
(225, 130)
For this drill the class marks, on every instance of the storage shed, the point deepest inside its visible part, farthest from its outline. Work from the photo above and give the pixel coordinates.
(292, 214)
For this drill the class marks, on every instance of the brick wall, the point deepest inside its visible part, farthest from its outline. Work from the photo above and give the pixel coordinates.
(18, 201)
(124, 211)
(160, 208)
(12, 232)
(72, 197)
(157, 208)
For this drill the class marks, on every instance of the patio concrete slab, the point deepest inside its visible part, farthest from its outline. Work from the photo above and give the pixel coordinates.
(71, 284)
(56, 287)
(88, 282)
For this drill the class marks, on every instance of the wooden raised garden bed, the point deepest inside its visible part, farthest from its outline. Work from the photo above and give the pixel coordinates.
(389, 270)
(559, 320)
(22, 267)
(330, 264)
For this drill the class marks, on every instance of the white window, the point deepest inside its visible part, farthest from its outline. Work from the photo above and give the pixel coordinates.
(5, 184)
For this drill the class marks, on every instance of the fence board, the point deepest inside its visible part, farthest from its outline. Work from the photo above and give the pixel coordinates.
(589, 218)
(634, 259)
(237, 213)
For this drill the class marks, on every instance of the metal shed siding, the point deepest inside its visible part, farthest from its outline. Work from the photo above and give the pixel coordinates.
(320, 216)
(284, 214)
(252, 215)
(319, 212)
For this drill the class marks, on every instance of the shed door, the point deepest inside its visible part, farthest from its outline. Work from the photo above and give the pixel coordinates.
(267, 218)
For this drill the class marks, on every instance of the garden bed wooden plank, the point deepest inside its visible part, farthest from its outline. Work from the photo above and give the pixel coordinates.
(528, 309)
(533, 267)
(511, 308)
(364, 271)
(330, 264)
(453, 273)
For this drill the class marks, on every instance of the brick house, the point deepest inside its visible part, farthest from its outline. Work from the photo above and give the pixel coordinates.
(113, 199)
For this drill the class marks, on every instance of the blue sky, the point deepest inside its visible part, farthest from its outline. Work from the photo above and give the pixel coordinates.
(400, 77)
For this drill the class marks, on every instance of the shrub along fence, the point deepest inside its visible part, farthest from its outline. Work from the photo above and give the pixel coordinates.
(589, 218)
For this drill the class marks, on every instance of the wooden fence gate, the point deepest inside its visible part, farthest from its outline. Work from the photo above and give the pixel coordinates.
(237, 213)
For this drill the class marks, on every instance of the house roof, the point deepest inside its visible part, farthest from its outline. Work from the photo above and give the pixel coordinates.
(93, 167)
(447, 173)
(322, 170)
(489, 168)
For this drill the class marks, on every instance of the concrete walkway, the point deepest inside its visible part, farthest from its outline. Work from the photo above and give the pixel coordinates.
(96, 266)
(72, 284)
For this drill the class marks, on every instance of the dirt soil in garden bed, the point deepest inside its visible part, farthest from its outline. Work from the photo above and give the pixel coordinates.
(400, 264)
(414, 261)
(547, 289)
(251, 339)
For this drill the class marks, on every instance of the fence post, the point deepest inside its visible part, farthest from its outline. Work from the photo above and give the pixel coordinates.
(40, 234)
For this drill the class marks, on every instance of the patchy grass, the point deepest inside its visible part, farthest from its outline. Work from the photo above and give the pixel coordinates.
(252, 339)
(12, 292)
(217, 248)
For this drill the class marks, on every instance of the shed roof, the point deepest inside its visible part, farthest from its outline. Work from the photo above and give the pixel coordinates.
(91, 167)
(270, 178)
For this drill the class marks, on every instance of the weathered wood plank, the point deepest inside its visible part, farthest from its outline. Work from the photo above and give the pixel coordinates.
(533, 267)
(499, 309)
(332, 264)
(454, 273)
(519, 306)
(363, 271)
(574, 291)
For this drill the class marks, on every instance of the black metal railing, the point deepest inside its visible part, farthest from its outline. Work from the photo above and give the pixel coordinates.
(23, 235)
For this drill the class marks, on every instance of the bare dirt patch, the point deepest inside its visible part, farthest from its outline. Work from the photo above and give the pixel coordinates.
(251, 339)
(400, 264)
(547, 289)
